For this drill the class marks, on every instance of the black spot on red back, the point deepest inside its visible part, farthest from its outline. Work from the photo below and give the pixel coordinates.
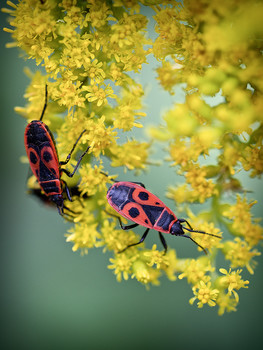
(134, 212)
(47, 156)
(143, 196)
(33, 158)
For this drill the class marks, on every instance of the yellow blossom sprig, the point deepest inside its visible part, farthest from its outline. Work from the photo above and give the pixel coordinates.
(240, 254)
(221, 115)
(228, 285)
(88, 50)
(242, 222)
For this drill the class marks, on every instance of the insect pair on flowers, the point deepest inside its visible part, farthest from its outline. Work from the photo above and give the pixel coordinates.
(129, 199)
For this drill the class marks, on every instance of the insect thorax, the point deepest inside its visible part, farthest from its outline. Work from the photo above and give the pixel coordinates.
(119, 195)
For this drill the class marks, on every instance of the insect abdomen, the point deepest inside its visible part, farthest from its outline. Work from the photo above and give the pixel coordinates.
(51, 187)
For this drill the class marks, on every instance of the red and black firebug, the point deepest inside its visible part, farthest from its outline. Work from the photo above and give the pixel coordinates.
(135, 203)
(44, 162)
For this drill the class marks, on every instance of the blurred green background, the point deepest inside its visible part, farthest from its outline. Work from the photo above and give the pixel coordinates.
(54, 298)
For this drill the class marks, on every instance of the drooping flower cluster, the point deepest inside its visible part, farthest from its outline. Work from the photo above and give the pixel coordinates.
(88, 49)
(215, 49)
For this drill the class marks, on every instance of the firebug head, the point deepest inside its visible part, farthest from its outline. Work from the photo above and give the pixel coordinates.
(177, 229)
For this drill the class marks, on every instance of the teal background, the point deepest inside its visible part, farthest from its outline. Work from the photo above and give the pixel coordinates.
(54, 298)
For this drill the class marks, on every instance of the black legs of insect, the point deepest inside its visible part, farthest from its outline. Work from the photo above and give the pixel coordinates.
(67, 191)
(68, 173)
(162, 239)
(140, 241)
(143, 238)
(129, 227)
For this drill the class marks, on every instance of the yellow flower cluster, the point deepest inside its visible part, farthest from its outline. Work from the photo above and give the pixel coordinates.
(88, 49)
(242, 222)
(213, 49)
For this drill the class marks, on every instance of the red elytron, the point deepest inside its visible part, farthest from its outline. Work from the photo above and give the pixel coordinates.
(43, 159)
(137, 204)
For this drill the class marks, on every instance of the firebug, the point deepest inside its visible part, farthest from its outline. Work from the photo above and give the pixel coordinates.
(135, 203)
(44, 162)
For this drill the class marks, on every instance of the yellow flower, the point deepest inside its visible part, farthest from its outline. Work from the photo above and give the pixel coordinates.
(97, 93)
(252, 159)
(242, 221)
(195, 270)
(117, 239)
(131, 154)
(84, 236)
(204, 294)
(180, 194)
(156, 257)
(232, 281)
(35, 28)
(183, 152)
(125, 118)
(202, 188)
(167, 75)
(252, 233)
(122, 266)
(67, 93)
(116, 73)
(231, 156)
(99, 14)
(141, 272)
(240, 212)
(208, 136)
(127, 113)
(180, 121)
(172, 265)
(131, 4)
(94, 70)
(169, 31)
(35, 93)
(240, 254)
(92, 180)
(226, 303)
(205, 240)
(73, 12)
(144, 273)
(125, 33)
